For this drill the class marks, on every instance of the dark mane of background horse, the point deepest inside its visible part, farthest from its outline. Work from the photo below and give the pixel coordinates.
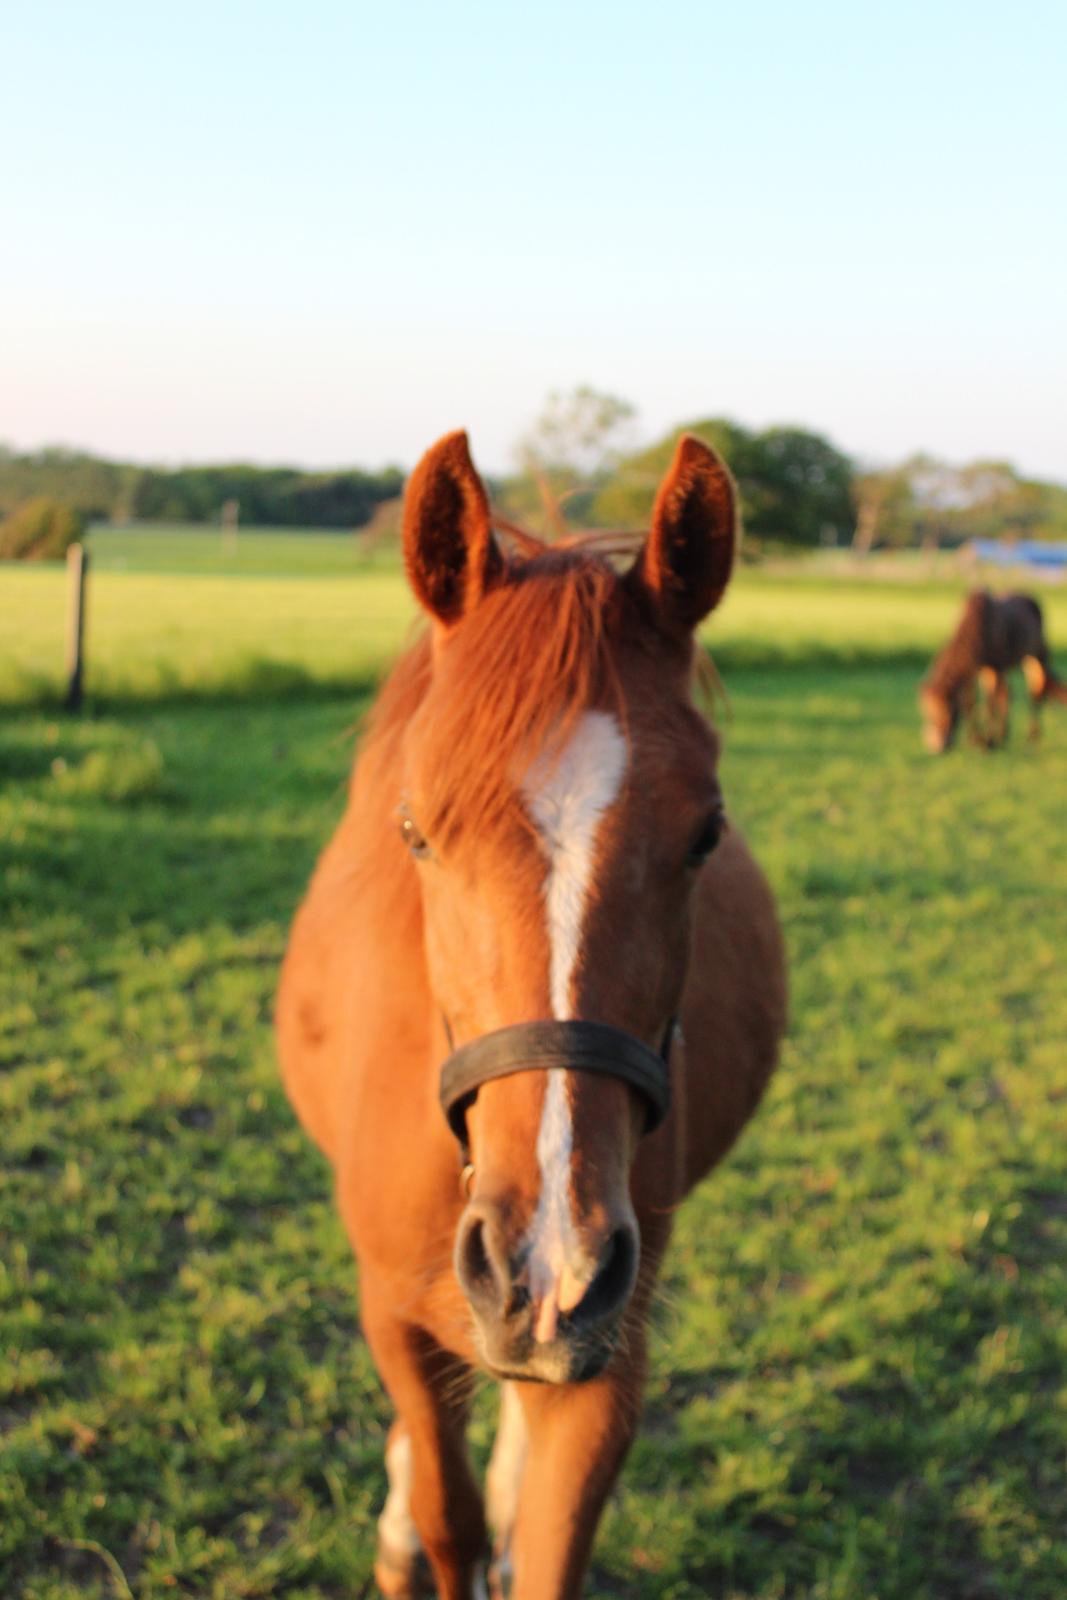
(960, 659)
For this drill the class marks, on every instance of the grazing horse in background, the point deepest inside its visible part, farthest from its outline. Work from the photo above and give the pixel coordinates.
(995, 633)
(533, 994)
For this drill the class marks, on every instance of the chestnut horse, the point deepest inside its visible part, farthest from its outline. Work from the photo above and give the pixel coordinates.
(994, 634)
(532, 884)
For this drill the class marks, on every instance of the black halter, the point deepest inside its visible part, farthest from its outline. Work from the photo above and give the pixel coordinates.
(542, 1046)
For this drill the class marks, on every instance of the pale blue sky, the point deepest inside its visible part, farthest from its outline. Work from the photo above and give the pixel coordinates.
(327, 232)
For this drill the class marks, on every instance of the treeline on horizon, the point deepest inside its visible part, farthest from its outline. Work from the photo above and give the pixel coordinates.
(796, 487)
(267, 497)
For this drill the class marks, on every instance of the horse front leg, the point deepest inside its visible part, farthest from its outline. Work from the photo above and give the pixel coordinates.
(1037, 675)
(978, 708)
(577, 1439)
(433, 1502)
(999, 710)
(503, 1486)
(400, 1568)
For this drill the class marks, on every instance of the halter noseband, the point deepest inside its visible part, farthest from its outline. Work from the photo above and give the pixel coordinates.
(542, 1046)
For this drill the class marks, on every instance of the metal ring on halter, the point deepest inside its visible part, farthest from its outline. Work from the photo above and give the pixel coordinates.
(544, 1046)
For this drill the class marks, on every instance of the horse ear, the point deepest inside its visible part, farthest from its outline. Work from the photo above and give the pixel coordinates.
(449, 550)
(685, 563)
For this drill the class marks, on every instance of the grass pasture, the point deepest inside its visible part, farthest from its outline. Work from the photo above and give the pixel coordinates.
(251, 552)
(859, 1377)
(309, 615)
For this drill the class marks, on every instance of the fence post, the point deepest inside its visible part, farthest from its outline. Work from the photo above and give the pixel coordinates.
(77, 573)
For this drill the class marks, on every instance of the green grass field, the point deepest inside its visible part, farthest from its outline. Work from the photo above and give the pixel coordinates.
(859, 1383)
(311, 614)
(252, 552)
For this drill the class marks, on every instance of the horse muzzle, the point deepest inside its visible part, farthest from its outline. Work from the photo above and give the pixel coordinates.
(561, 1330)
(550, 1314)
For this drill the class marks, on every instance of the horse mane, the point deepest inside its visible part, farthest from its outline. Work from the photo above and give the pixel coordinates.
(512, 679)
(962, 656)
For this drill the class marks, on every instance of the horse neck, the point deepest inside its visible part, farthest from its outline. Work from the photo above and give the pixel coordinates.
(951, 670)
(961, 658)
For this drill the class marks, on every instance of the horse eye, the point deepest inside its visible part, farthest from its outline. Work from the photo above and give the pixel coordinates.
(409, 832)
(708, 837)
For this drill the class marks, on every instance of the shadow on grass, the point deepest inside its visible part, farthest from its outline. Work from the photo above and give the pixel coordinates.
(257, 681)
(743, 656)
(265, 679)
(154, 867)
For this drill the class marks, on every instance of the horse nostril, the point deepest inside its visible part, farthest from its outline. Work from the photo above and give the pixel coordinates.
(481, 1262)
(613, 1283)
(472, 1260)
(518, 1299)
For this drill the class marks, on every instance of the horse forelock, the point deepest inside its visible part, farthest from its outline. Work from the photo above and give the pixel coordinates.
(509, 684)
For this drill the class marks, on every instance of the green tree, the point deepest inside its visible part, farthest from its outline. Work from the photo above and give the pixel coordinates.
(995, 501)
(41, 529)
(573, 447)
(626, 500)
(885, 509)
(928, 502)
(794, 486)
(90, 485)
(269, 496)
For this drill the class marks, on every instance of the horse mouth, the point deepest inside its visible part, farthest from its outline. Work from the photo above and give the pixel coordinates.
(565, 1360)
(553, 1371)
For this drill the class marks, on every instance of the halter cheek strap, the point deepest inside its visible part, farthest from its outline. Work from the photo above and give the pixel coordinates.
(593, 1047)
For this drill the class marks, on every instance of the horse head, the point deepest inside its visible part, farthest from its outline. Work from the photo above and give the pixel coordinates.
(940, 713)
(560, 798)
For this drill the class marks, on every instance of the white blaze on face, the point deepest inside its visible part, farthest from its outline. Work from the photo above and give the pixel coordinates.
(567, 793)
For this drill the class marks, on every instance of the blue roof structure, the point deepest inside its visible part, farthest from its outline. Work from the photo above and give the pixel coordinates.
(1021, 553)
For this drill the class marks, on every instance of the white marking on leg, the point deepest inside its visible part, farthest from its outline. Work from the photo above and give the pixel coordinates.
(1035, 675)
(396, 1528)
(503, 1480)
(568, 793)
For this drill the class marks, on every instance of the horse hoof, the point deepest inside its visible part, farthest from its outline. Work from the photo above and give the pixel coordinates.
(403, 1577)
